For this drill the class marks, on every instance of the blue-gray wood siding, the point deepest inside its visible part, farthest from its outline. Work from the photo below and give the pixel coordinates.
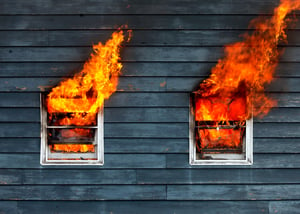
(174, 45)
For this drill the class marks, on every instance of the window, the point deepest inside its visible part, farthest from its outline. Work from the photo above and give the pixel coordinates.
(219, 142)
(70, 144)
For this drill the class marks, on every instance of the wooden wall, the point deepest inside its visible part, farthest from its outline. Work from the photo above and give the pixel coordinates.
(174, 45)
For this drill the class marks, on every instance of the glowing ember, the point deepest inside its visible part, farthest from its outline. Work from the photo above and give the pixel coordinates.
(223, 138)
(235, 89)
(76, 101)
(72, 148)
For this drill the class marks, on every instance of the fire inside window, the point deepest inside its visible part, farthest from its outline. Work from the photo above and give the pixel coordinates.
(70, 144)
(219, 141)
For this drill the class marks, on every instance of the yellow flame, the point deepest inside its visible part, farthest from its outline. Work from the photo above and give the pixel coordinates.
(86, 91)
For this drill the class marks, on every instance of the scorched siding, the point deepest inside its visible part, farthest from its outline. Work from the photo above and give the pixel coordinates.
(146, 168)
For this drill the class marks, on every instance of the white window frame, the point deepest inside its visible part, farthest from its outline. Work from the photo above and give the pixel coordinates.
(227, 159)
(80, 157)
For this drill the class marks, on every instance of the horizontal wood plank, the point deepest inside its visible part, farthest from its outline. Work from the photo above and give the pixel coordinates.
(233, 192)
(137, 7)
(218, 176)
(21, 145)
(110, 22)
(144, 115)
(276, 145)
(146, 207)
(144, 145)
(83, 192)
(9, 207)
(68, 177)
(148, 69)
(281, 115)
(20, 115)
(148, 130)
(145, 192)
(149, 99)
(9, 177)
(20, 100)
(281, 207)
(112, 161)
(24, 38)
(265, 161)
(19, 130)
(276, 130)
(128, 54)
(64, 176)
(286, 99)
(140, 38)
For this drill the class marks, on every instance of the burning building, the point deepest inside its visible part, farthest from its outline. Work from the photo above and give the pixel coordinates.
(146, 121)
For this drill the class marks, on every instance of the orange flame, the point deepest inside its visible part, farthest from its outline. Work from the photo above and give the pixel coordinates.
(235, 88)
(86, 91)
(72, 148)
(81, 97)
(223, 138)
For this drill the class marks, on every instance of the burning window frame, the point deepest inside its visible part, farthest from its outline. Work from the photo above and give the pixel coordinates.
(219, 158)
(71, 158)
(241, 74)
(74, 108)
